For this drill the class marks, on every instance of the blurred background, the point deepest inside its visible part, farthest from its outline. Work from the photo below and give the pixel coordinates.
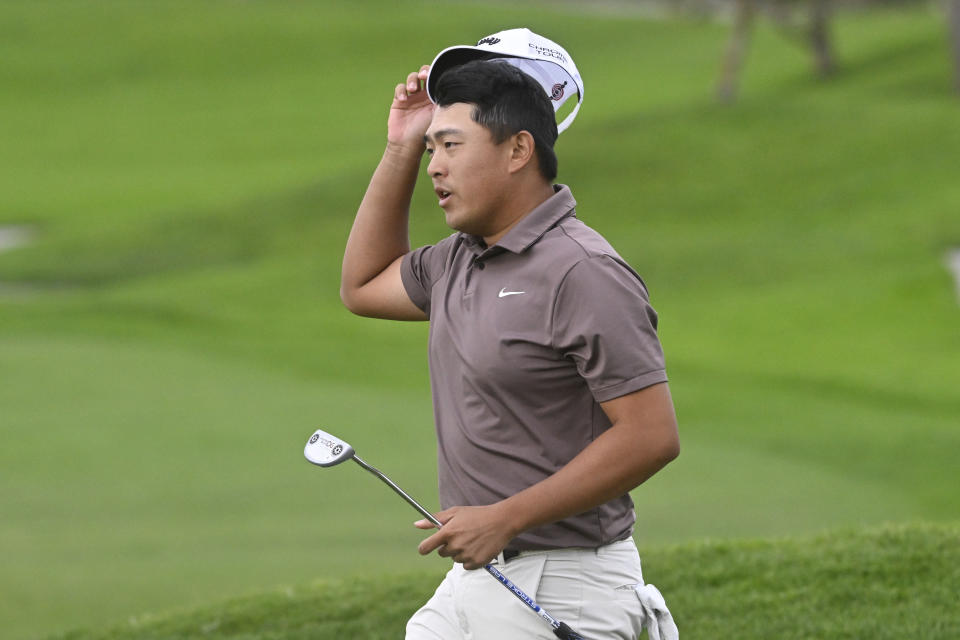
(177, 181)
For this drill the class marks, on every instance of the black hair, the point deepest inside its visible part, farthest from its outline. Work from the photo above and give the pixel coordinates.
(505, 101)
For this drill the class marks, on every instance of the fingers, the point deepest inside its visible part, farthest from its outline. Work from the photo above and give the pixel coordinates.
(417, 79)
(436, 541)
(446, 549)
(439, 539)
(416, 82)
(442, 516)
(458, 538)
(413, 82)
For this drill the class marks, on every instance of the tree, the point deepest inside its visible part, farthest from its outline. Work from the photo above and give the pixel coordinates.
(812, 31)
(736, 50)
(954, 19)
(820, 11)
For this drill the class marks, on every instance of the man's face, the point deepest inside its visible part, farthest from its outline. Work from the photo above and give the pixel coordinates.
(468, 170)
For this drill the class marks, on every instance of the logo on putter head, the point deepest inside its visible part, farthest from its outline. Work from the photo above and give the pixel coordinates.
(490, 41)
(314, 438)
(337, 450)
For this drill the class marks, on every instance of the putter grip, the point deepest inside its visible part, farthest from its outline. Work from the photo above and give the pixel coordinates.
(566, 633)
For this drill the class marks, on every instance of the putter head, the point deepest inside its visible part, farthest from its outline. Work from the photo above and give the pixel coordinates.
(326, 450)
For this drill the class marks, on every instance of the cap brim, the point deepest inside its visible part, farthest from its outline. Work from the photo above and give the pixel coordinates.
(454, 57)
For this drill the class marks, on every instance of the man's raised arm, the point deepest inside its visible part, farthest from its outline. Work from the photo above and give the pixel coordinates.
(370, 283)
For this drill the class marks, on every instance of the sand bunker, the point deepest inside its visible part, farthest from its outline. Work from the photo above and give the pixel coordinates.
(12, 237)
(953, 263)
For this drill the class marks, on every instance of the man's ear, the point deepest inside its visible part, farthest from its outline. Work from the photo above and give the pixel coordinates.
(522, 151)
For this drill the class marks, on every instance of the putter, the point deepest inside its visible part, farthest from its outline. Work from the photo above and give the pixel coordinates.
(325, 450)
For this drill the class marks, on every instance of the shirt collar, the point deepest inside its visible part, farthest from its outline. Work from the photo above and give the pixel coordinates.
(533, 225)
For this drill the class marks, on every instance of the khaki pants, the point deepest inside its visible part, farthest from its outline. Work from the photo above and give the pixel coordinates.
(592, 590)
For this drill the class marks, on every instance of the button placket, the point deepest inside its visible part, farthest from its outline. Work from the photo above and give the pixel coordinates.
(470, 281)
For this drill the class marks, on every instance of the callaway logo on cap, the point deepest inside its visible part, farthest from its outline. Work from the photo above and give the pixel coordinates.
(546, 61)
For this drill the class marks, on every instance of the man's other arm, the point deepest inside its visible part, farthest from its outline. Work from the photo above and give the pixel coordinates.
(370, 283)
(642, 439)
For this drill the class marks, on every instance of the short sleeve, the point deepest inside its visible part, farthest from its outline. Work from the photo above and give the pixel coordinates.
(421, 268)
(603, 321)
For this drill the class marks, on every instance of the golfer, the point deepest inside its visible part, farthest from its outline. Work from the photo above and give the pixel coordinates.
(549, 388)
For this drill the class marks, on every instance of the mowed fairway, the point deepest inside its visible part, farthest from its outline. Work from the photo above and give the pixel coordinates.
(191, 171)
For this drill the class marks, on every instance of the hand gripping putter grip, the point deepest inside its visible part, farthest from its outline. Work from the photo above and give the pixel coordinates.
(325, 450)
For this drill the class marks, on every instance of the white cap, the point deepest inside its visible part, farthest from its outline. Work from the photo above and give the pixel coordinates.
(546, 61)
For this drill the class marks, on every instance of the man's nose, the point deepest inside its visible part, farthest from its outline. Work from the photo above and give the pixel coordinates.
(435, 166)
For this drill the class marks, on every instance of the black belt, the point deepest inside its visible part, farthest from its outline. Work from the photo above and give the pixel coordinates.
(510, 554)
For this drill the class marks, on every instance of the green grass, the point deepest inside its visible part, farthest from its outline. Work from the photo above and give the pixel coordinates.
(889, 582)
(192, 170)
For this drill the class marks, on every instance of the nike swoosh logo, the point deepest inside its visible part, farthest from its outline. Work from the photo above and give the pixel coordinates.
(504, 293)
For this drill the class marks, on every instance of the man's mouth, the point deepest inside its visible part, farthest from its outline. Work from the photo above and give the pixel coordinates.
(443, 194)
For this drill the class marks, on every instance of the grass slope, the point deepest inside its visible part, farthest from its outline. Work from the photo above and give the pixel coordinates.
(889, 582)
(192, 170)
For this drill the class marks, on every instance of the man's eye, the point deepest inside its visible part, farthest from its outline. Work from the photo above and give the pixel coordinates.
(429, 151)
(447, 145)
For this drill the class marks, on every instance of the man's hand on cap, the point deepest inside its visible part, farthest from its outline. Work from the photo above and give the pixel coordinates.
(411, 112)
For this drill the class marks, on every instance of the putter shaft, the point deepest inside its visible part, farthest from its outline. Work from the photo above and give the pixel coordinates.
(400, 492)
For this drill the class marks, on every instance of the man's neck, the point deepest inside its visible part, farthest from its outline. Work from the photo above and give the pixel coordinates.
(526, 201)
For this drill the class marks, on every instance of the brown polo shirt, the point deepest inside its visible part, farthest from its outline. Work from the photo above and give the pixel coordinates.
(527, 337)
